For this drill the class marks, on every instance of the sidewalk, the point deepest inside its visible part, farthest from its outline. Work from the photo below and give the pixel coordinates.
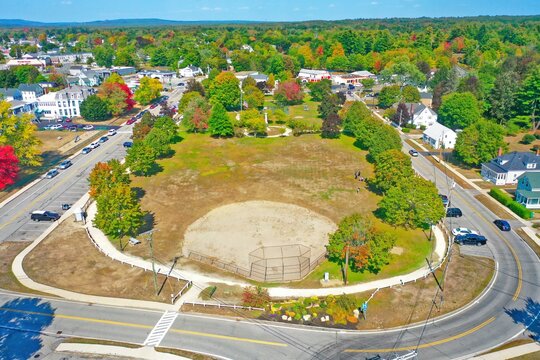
(139, 353)
(511, 353)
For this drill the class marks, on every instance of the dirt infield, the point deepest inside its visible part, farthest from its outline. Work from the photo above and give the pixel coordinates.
(232, 232)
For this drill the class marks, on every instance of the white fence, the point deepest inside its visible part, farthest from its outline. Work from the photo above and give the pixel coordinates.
(219, 306)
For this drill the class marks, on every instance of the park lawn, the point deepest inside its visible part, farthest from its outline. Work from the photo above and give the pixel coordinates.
(299, 111)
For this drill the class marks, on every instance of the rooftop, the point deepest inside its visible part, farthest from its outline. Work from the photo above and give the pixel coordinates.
(514, 161)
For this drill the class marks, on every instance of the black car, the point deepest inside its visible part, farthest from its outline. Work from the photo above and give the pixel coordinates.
(470, 239)
(444, 199)
(502, 224)
(413, 153)
(454, 212)
(44, 216)
(128, 144)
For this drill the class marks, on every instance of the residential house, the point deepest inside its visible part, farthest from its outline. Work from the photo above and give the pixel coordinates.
(528, 190)
(89, 78)
(426, 98)
(505, 169)
(19, 107)
(124, 70)
(9, 94)
(191, 71)
(30, 92)
(308, 75)
(65, 102)
(247, 48)
(255, 75)
(423, 116)
(163, 76)
(439, 136)
(75, 70)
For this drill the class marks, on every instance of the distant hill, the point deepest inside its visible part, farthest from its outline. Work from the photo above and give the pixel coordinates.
(16, 23)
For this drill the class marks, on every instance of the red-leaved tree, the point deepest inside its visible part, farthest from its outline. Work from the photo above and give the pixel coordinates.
(289, 93)
(9, 166)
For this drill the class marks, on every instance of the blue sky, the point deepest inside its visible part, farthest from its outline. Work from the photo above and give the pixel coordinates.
(266, 10)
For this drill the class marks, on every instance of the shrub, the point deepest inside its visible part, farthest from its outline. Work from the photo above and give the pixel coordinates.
(500, 196)
(406, 130)
(347, 302)
(207, 293)
(255, 296)
(423, 127)
(528, 139)
(520, 210)
(352, 319)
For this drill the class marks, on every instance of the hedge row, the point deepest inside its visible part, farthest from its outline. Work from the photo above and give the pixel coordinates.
(507, 201)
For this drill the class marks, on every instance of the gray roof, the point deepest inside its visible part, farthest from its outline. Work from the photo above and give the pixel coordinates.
(421, 108)
(514, 161)
(426, 95)
(31, 87)
(11, 92)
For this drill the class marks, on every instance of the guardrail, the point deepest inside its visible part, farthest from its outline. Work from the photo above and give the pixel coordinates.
(219, 306)
(181, 292)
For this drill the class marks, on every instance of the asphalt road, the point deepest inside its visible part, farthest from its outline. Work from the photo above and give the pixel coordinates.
(511, 302)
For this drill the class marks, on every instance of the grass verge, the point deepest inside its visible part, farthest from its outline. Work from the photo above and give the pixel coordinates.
(489, 202)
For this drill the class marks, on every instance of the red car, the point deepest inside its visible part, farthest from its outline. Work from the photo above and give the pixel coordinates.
(153, 106)
(131, 121)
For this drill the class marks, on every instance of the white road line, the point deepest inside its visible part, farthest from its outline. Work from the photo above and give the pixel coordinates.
(160, 330)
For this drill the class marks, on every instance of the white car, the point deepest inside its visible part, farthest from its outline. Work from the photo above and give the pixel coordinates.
(94, 145)
(111, 132)
(56, 127)
(88, 127)
(463, 231)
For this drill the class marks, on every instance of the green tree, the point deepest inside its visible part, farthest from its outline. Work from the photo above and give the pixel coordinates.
(413, 204)
(159, 141)
(403, 73)
(219, 123)
(196, 114)
(26, 74)
(20, 133)
(389, 95)
(114, 79)
(141, 158)
(159, 57)
(529, 98)
(118, 212)
(410, 94)
(355, 115)
(319, 90)
(385, 137)
(186, 99)
(329, 105)
(169, 127)
(368, 84)
(330, 126)
(503, 96)
(254, 97)
(104, 176)
(392, 168)
(93, 108)
(459, 110)
(479, 142)
(103, 55)
(149, 89)
(125, 57)
(253, 121)
(225, 90)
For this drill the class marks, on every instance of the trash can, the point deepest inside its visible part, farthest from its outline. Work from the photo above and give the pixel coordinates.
(79, 214)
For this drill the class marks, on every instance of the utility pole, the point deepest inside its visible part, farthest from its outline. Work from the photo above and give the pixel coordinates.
(346, 263)
(150, 240)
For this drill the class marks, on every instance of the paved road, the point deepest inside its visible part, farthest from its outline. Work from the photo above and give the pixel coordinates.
(510, 303)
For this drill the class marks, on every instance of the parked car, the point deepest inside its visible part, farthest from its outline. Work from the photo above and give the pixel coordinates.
(131, 121)
(72, 128)
(52, 173)
(413, 153)
(88, 127)
(65, 164)
(127, 144)
(68, 120)
(445, 200)
(181, 84)
(56, 127)
(462, 231)
(111, 132)
(470, 239)
(47, 127)
(86, 150)
(454, 212)
(94, 145)
(503, 225)
(103, 139)
(153, 106)
(44, 216)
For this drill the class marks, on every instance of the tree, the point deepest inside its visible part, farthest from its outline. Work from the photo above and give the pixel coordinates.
(329, 105)
(384, 137)
(389, 95)
(330, 126)
(196, 114)
(168, 125)
(459, 110)
(503, 97)
(20, 133)
(103, 55)
(253, 121)
(118, 212)
(186, 99)
(368, 84)
(401, 115)
(141, 158)
(319, 90)
(159, 57)
(125, 57)
(479, 142)
(114, 79)
(195, 86)
(403, 73)
(410, 94)
(271, 82)
(225, 89)
(254, 97)
(391, 169)
(159, 141)
(26, 74)
(357, 113)
(104, 176)
(528, 98)
(289, 92)
(118, 97)
(380, 246)
(93, 108)
(219, 123)
(412, 204)
(9, 166)
(148, 90)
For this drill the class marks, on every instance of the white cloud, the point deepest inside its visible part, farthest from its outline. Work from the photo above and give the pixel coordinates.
(332, 5)
(374, 3)
(296, 9)
(416, 5)
(66, 2)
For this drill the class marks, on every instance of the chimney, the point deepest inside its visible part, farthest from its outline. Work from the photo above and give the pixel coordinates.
(499, 153)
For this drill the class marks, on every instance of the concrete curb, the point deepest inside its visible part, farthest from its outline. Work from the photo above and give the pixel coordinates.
(511, 353)
(18, 193)
(139, 353)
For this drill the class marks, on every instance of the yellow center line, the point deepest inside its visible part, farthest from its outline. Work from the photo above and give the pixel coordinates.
(426, 345)
(142, 326)
(514, 254)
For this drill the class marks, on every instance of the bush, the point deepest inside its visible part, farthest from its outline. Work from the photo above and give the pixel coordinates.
(423, 127)
(255, 296)
(207, 293)
(352, 319)
(528, 139)
(520, 210)
(501, 196)
(406, 130)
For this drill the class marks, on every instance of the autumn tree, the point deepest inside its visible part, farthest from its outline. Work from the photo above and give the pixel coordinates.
(118, 97)
(114, 78)
(195, 86)
(253, 121)
(9, 166)
(149, 89)
(289, 92)
(20, 133)
(219, 123)
(196, 114)
(107, 175)
(225, 89)
(253, 97)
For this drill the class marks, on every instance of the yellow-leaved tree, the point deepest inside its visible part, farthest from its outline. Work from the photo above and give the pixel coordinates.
(20, 133)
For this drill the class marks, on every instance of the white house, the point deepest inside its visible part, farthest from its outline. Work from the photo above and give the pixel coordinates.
(346, 79)
(71, 58)
(505, 169)
(308, 75)
(19, 107)
(65, 102)
(163, 76)
(89, 78)
(438, 135)
(528, 190)
(247, 48)
(30, 92)
(423, 116)
(191, 71)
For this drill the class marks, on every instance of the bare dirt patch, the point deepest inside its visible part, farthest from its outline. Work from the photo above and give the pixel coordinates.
(66, 259)
(256, 224)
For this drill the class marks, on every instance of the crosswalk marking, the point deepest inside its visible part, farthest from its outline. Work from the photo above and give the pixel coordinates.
(160, 330)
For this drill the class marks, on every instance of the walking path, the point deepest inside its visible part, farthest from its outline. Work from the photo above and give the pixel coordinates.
(147, 353)
(511, 353)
